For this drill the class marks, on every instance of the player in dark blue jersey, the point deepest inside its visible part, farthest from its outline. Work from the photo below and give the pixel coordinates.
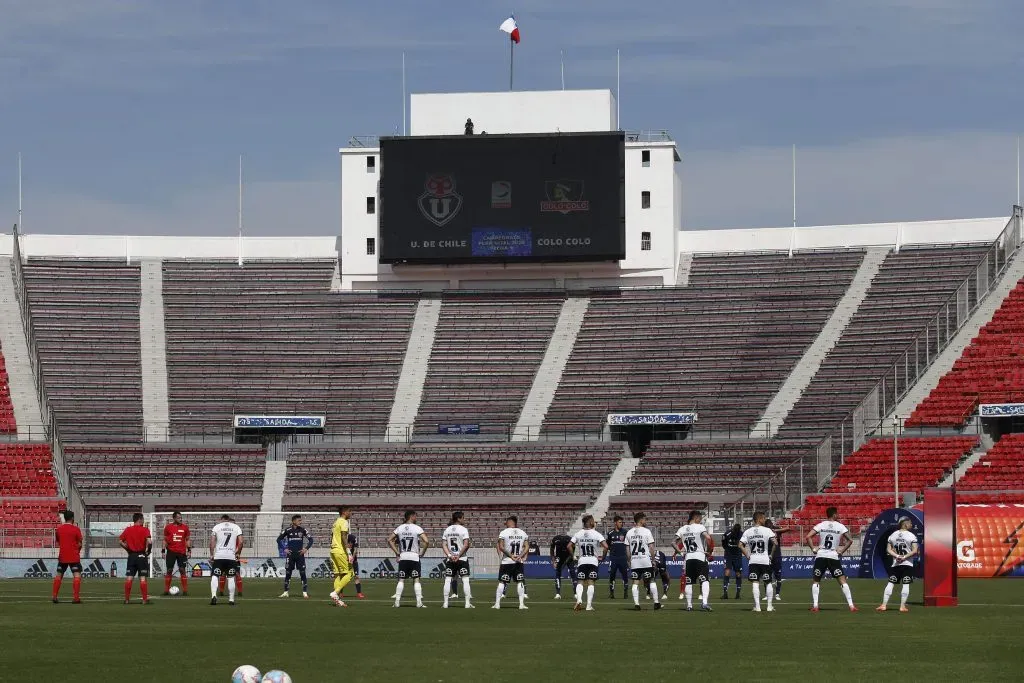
(733, 560)
(353, 561)
(297, 542)
(661, 570)
(618, 552)
(561, 558)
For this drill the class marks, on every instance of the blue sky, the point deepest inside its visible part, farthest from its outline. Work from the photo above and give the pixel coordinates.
(131, 114)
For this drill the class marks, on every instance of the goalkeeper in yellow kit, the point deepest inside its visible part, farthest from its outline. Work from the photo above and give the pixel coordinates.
(339, 554)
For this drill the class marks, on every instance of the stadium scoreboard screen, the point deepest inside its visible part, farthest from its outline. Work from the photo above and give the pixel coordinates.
(502, 198)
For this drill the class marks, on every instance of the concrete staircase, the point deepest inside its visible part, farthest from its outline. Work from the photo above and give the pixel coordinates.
(24, 391)
(808, 365)
(961, 340)
(621, 475)
(549, 374)
(685, 264)
(409, 391)
(269, 526)
(967, 463)
(155, 412)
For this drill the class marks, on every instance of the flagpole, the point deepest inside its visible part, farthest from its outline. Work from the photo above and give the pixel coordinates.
(618, 88)
(21, 226)
(794, 185)
(404, 98)
(239, 210)
(511, 60)
(561, 62)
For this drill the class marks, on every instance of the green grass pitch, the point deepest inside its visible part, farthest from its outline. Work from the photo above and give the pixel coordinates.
(185, 639)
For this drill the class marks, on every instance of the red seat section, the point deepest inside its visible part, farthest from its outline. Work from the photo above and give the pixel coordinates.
(997, 476)
(864, 484)
(991, 370)
(7, 425)
(28, 496)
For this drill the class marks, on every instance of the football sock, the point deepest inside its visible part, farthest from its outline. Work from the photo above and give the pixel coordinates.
(705, 592)
(769, 590)
(144, 588)
(76, 588)
(359, 585)
(739, 581)
(725, 583)
(499, 593)
(778, 587)
(214, 585)
(590, 595)
(447, 589)
(184, 583)
(167, 583)
(465, 589)
(636, 594)
(848, 594)
(56, 585)
(305, 582)
(815, 590)
(664, 588)
(579, 592)
(653, 587)
(287, 577)
(399, 588)
(689, 595)
(904, 594)
(521, 591)
(755, 588)
(887, 593)
(127, 589)
(417, 589)
(232, 587)
(558, 585)
(682, 583)
(238, 582)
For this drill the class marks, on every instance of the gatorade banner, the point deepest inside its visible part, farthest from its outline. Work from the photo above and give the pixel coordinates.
(990, 540)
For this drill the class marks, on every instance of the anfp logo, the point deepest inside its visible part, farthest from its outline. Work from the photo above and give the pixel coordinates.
(965, 551)
(439, 202)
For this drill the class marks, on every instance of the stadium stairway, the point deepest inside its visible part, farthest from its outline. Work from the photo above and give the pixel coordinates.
(549, 374)
(409, 392)
(685, 264)
(807, 367)
(620, 476)
(985, 444)
(951, 354)
(153, 340)
(268, 526)
(22, 384)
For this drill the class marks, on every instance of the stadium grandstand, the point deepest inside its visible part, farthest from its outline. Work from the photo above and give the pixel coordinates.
(667, 369)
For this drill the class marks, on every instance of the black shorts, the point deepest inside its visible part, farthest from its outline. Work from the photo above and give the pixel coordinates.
(735, 563)
(507, 573)
(456, 568)
(137, 565)
(696, 571)
(760, 572)
(225, 567)
(179, 559)
(75, 567)
(564, 561)
(409, 569)
(826, 566)
(296, 561)
(641, 573)
(901, 573)
(586, 572)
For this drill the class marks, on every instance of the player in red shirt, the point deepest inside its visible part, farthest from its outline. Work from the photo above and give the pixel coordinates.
(137, 540)
(177, 549)
(69, 541)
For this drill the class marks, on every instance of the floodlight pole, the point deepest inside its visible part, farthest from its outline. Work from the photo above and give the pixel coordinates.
(896, 457)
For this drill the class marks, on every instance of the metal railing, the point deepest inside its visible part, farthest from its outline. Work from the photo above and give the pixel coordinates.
(811, 472)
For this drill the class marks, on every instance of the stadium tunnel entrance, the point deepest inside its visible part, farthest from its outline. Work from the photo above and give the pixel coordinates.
(640, 436)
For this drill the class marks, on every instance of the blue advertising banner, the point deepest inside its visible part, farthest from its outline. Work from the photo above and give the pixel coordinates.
(1001, 410)
(458, 429)
(496, 242)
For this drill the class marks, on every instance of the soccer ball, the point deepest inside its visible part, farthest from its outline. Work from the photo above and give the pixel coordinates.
(276, 676)
(246, 674)
(174, 590)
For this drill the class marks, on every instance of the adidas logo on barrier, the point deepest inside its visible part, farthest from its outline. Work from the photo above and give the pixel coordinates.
(94, 570)
(322, 571)
(38, 571)
(385, 569)
(437, 572)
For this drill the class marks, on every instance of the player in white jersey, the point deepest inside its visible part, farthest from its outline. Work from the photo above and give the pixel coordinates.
(587, 541)
(513, 548)
(757, 544)
(694, 540)
(408, 542)
(226, 543)
(902, 548)
(455, 544)
(640, 542)
(833, 540)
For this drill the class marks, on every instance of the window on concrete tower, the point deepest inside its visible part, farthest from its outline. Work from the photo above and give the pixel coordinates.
(645, 157)
(645, 199)
(645, 241)
(371, 205)
(371, 246)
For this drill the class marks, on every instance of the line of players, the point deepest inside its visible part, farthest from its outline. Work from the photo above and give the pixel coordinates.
(409, 542)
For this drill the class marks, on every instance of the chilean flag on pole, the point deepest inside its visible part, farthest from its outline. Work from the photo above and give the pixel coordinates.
(510, 27)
